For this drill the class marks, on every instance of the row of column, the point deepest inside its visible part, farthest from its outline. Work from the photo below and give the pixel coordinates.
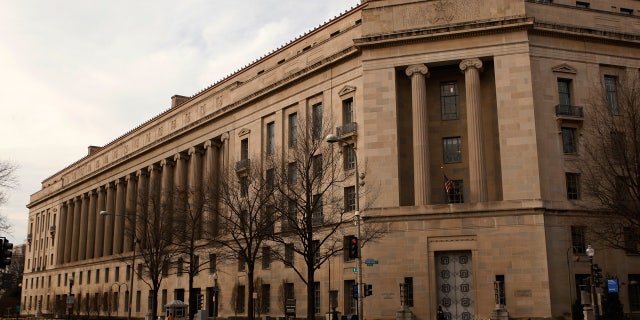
(477, 168)
(85, 234)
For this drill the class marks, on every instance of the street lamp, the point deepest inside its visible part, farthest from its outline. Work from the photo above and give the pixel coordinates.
(215, 295)
(133, 261)
(333, 138)
(590, 253)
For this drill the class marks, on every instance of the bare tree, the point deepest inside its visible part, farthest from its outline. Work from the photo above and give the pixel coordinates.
(312, 181)
(244, 218)
(192, 218)
(610, 163)
(154, 231)
(7, 181)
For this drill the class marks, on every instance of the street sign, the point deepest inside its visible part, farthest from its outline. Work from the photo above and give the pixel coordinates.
(71, 299)
(370, 262)
(355, 270)
(612, 285)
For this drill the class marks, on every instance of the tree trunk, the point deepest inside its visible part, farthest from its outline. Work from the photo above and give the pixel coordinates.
(251, 289)
(311, 301)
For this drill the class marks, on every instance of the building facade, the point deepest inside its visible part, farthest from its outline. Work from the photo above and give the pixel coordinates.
(459, 109)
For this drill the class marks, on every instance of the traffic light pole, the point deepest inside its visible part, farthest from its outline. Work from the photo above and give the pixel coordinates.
(357, 214)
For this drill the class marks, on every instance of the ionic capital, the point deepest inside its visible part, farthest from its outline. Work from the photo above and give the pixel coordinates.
(471, 63)
(416, 69)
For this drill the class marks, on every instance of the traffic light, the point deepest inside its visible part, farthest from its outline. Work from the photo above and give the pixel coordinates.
(5, 252)
(200, 301)
(368, 290)
(597, 275)
(353, 247)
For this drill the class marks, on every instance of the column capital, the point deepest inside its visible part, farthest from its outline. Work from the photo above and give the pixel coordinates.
(180, 156)
(224, 137)
(216, 143)
(416, 69)
(118, 181)
(471, 63)
(152, 167)
(142, 172)
(131, 177)
(167, 162)
(91, 193)
(109, 185)
(194, 150)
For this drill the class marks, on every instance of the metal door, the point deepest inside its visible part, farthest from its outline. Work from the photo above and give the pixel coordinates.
(454, 280)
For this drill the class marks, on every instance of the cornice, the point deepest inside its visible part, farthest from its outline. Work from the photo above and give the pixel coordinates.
(585, 34)
(446, 32)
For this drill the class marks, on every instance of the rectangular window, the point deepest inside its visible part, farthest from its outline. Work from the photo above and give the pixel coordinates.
(266, 258)
(349, 156)
(634, 292)
(97, 275)
(317, 166)
(270, 179)
(164, 299)
(452, 150)
(128, 273)
(449, 100)
(293, 129)
(212, 262)
(500, 289)
(610, 84)
(271, 138)
(265, 298)
(138, 296)
(196, 264)
(564, 94)
(347, 111)
(268, 219)
(289, 292)
(578, 241)
(117, 275)
(573, 185)
(290, 220)
(139, 271)
(241, 263)
(569, 140)
(180, 267)
(457, 193)
(165, 270)
(626, 11)
(316, 296)
(288, 255)
(106, 275)
(244, 149)
(244, 186)
(292, 174)
(350, 303)
(631, 240)
(316, 251)
(316, 111)
(408, 291)
(349, 198)
(317, 217)
(582, 4)
(240, 298)
(80, 278)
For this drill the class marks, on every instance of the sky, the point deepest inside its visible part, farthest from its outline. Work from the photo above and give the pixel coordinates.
(76, 73)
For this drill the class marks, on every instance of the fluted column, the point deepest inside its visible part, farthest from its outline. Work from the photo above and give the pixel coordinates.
(84, 222)
(211, 171)
(168, 190)
(422, 184)
(195, 187)
(62, 233)
(477, 168)
(68, 244)
(154, 207)
(100, 221)
(130, 212)
(91, 228)
(119, 216)
(107, 248)
(181, 204)
(77, 210)
(142, 202)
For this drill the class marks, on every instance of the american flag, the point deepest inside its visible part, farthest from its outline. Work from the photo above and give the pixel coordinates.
(449, 185)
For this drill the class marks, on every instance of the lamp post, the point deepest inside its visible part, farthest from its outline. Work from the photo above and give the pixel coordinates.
(215, 295)
(590, 253)
(135, 240)
(70, 299)
(333, 138)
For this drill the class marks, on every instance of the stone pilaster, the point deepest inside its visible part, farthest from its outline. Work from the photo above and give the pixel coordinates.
(422, 184)
(212, 162)
(142, 202)
(62, 233)
(68, 244)
(100, 220)
(477, 167)
(195, 187)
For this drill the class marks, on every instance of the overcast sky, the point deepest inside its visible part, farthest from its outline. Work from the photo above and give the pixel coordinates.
(77, 73)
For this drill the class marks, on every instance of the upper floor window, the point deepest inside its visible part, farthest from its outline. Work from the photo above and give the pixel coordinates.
(569, 140)
(573, 185)
(317, 166)
(271, 138)
(452, 150)
(349, 156)
(454, 190)
(347, 111)
(288, 254)
(349, 198)
(180, 267)
(578, 239)
(610, 84)
(293, 129)
(582, 4)
(316, 112)
(564, 94)
(244, 149)
(449, 100)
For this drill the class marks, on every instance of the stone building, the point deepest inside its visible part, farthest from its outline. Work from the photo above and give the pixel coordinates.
(480, 91)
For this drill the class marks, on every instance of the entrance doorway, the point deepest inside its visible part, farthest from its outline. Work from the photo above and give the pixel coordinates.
(454, 280)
